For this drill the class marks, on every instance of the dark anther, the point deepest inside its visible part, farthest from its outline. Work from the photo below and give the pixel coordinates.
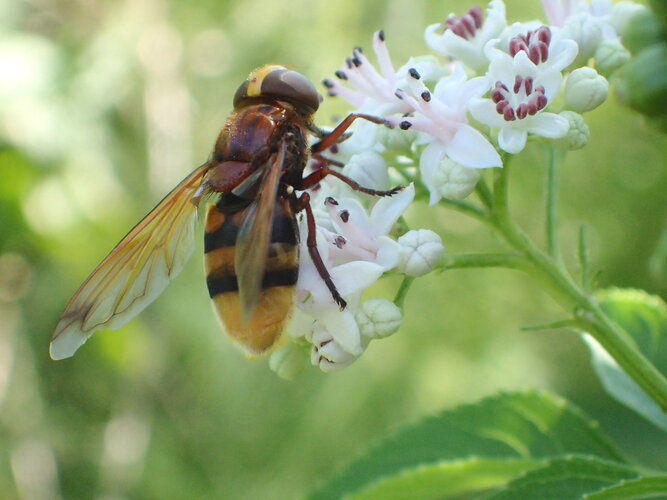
(414, 73)
(344, 215)
(341, 74)
(399, 94)
(405, 125)
(327, 83)
(356, 61)
(357, 49)
(330, 201)
(381, 35)
(426, 95)
(348, 63)
(339, 241)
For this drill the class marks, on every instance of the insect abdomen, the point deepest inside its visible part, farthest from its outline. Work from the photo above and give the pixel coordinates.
(280, 274)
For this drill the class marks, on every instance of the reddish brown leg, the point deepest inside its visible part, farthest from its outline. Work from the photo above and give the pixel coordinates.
(312, 179)
(303, 203)
(333, 137)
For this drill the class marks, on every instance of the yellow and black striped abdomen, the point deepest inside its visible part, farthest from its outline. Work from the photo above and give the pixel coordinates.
(280, 274)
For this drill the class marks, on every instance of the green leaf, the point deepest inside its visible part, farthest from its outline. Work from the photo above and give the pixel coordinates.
(446, 479)
(645, 487)
(479, 445)
(644, 317)
(568, 478)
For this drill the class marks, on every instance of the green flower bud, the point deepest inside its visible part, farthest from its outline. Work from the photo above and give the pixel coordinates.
(609, 56)
(622, 15)
(585, 90)
(289, 360)
(642, 30)
(577, 135)
(642, 82)
(660, 9)
(378, 318)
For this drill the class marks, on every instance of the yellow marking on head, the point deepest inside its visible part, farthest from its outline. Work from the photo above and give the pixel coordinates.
(256, 78)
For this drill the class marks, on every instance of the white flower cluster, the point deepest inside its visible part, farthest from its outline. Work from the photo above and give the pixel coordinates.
(497, 86)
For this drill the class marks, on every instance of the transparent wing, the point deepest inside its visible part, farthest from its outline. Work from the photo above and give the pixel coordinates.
(135, 272)
(252, 243)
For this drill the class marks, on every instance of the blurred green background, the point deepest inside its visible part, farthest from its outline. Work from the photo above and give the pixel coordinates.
(104, 105)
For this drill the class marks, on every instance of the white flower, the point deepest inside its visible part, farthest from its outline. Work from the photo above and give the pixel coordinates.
(369, 90)
(544, 47)
(356, 251)
(585, 90)
(521, 93)
(441, 117)
(326, 352)
(464, 37)
(378, 318)
(448, 179)
(421, 251)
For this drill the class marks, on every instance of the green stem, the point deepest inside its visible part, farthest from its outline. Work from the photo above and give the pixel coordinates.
(551, 221)
(484, 193)
(616, 341)
(403, 291)
(468, 260)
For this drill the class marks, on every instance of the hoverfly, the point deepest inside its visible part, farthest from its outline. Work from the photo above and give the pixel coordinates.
(251, 235)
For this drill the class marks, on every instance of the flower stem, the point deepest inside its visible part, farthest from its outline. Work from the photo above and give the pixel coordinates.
(551, 221)
(588, 313)
(468, 260)
(402, 292)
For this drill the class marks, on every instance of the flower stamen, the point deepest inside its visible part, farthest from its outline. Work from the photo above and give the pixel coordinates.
(467, 25)
(534, 43)
(530, 99)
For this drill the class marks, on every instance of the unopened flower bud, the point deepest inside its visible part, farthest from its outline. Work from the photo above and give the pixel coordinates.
(420, 252)
(623, 13)
(450, 180)
(289, 360)
(642, 82)
(378, 318)
(577, 135)
(585, 90)
(641, 30)
(396, 139)
(610, 56)
(326, 353)
(368, 169)
(583, 29)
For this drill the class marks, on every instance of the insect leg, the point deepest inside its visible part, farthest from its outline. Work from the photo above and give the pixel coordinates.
(334, 136)
(303, 203)
(312, 179)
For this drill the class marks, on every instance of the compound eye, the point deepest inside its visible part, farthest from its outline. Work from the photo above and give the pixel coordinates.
(292, 87)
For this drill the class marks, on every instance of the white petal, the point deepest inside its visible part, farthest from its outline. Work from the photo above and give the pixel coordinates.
(484, 111)
(548, 125)
(343, 328)
(388, 253)
(435, 40)
(387, 210)
(552, 80)
(562, 53)
(512, 140)
(523, 66)
(356, 276)
(428, 165)
(471, 149)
